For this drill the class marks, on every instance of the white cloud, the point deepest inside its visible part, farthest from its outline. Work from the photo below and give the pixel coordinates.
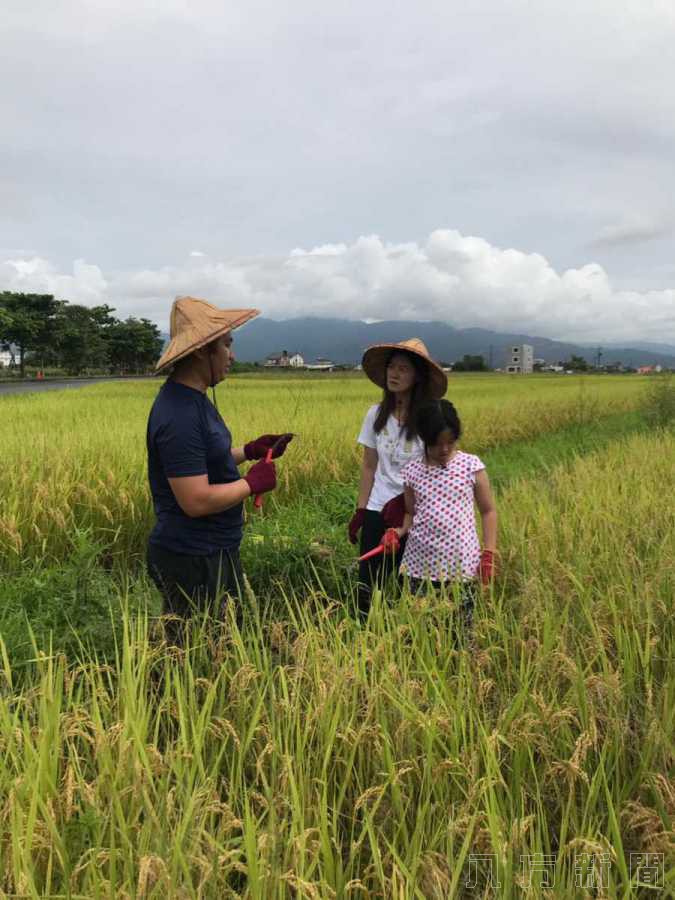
(87, 284)
(462, 280)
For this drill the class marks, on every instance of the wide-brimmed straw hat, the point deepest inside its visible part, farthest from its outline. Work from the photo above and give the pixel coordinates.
(195, 323)
(375, 360)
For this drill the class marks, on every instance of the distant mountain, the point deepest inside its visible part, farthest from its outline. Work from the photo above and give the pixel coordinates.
(343, 341)
(651, 346)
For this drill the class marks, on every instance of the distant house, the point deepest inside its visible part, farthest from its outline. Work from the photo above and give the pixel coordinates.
(284, 359)
(276, 360)
(321, 364)
(649, 370)
(521, 360)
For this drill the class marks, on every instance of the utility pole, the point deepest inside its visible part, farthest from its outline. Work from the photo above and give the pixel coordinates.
(598, 357)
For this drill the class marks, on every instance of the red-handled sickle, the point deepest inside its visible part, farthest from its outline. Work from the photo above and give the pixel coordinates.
(374, 552)
(258, 500)
(387, 544)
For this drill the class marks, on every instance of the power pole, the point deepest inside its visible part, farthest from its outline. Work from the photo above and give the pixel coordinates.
(598, 357)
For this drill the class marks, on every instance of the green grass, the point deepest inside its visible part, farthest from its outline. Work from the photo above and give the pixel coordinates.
(307, 756)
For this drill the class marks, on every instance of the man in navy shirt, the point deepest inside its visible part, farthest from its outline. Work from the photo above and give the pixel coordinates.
(197, 490)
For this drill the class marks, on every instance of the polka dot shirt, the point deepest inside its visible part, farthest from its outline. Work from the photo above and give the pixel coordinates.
(443, 541)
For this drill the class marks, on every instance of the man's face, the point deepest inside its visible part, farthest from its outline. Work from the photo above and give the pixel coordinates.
(222, 357)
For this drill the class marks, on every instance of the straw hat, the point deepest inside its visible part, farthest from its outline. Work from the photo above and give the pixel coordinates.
(375, 358)
(194, 323)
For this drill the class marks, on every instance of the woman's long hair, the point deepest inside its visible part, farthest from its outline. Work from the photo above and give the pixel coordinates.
(419, 395)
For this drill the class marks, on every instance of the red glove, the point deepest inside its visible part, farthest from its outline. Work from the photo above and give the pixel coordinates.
(390, 541)
(258, 448)
(488, 567)
(355, 524)
(261, 477)
(393, 512)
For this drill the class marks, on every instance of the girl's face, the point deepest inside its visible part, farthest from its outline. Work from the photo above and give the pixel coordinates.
(401, 374)
(440, 452)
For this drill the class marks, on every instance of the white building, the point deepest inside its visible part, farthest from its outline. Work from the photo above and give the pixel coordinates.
(321, 364)
(284, 359)
(5, 359)
(275, 360)
(521, 360)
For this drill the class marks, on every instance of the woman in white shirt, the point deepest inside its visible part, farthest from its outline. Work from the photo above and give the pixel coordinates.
(409, 378)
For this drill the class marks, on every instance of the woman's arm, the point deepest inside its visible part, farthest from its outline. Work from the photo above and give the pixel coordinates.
(409, 495)
(368, 467)
(196, 497)
(488, 511)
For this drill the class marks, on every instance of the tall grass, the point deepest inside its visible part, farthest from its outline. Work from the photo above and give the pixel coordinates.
(304, 756)
(75, 460)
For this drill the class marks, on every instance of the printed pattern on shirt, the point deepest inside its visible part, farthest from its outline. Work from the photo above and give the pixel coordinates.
(443, 540)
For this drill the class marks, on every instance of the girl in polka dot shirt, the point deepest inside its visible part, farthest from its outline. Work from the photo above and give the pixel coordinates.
(440, 489)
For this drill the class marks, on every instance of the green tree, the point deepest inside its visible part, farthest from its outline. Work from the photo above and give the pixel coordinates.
(79, 336)
(470, 363)
(26, 321)
(576, 363)
(134, 345)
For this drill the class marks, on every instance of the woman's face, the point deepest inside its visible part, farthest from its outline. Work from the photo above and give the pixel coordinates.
(441, 450)
(221, 357)
(401, 375)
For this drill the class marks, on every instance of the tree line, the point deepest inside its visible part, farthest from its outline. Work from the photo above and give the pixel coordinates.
(39, 330)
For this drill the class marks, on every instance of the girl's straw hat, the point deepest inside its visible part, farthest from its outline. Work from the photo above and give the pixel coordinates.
(195, 323)
(375, 360)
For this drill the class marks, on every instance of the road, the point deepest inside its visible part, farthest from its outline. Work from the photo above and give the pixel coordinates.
(22, 387)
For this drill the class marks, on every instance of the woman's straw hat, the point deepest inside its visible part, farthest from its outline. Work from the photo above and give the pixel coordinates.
(375, 360)
(194, 323)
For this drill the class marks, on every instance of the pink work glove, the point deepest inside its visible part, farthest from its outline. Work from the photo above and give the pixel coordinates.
(393, 512)
(487, 568)
(390, 541)
(261, 477)
(355, 524)
(258, 448)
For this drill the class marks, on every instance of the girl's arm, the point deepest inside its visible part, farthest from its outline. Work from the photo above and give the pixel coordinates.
(409, 495)
(368, 466)
(488, 512)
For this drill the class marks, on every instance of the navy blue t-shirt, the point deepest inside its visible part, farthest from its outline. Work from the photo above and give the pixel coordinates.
(187, 436)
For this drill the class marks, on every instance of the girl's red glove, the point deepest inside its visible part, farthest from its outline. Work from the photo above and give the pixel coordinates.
(390, 541)
(355, 524)
(488, 567)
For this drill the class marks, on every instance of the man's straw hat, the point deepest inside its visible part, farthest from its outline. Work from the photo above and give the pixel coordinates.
(375, 360)
(194, 323)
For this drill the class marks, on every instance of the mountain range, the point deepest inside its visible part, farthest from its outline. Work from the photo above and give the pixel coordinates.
(344, 340)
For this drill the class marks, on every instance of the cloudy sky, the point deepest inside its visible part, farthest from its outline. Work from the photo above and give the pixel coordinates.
(501, 163)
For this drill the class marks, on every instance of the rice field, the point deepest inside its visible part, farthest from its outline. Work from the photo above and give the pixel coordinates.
(305, 755)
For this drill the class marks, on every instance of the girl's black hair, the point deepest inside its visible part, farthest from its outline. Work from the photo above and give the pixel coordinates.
(435, 418)
(419, 396)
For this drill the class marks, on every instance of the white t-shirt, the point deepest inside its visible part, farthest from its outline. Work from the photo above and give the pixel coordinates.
(394, 451)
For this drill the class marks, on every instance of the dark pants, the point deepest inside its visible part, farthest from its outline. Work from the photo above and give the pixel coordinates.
(194, 584)
(378, 569)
